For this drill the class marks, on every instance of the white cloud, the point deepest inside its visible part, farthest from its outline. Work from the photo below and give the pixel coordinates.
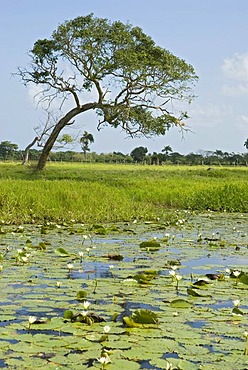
(235, 69)
(209, 115)
(242, 122)
(235, 89)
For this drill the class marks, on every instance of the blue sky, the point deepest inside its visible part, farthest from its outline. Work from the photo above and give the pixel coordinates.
(209, 34)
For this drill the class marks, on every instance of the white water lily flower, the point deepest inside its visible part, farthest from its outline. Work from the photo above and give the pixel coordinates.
(228, 271)
(106, 329)
(58, 284)
(70, 266)
(236, 273)
(236, 302)
(88, 250)
(84, 313)
(111, 266)
(32, 319)
(85, 237)
(174, 267)
(178, 277)
(104, 360)
(81, 254)
(19, 251)
(246, 334)
(86, 305)
(172, 272)
(24, 259)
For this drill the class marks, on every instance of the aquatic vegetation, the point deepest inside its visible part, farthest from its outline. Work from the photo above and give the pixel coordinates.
(182, 305)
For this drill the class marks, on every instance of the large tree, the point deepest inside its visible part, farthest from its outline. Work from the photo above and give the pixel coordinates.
(112, 68)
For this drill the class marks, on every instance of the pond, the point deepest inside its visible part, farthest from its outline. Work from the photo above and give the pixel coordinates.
(165, 294)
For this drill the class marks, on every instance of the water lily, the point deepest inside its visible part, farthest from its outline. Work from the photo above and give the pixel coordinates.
(236, 273)
(32, 319)
(84, 313)
(1, 268)
(58, 284)
(106, 329)
(104, 360)
(178, 277)
(86, 305)
(81, 254)
(174, 267)
(172, 273)
(24, 259)
(236, 302)
(70, 266)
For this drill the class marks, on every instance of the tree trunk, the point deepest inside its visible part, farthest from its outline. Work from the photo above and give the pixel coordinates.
(64, 121)
(26, 151)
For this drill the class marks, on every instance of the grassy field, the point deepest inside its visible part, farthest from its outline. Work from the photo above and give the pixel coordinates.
(102, 193)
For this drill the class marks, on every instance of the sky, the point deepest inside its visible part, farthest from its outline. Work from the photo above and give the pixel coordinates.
(211, 35)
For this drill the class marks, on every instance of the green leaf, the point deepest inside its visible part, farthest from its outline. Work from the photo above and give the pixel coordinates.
(150, 245)
(81, 295)
(141, 318)
(62, 252)
(244, 278)
(180, 303)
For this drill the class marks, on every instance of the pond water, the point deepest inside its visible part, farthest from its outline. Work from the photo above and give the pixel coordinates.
(188, 271)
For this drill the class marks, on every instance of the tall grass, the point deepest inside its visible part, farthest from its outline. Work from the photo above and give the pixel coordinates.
(98, 192)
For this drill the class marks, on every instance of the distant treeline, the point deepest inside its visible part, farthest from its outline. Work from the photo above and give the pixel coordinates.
(10, 151)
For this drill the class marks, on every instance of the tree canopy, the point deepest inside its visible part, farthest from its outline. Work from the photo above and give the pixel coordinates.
(112, 68)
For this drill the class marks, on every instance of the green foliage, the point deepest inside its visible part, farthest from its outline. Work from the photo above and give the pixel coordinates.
(141, 319)
(8, 150)
(97, 53)
(139, 154)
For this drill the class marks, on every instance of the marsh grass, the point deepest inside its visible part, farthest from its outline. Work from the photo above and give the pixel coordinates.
(98, 192)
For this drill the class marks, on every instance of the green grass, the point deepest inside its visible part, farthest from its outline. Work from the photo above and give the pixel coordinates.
(102, 193)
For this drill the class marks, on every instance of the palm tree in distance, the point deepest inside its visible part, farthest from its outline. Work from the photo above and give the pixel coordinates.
(85, 142)
(167, 149)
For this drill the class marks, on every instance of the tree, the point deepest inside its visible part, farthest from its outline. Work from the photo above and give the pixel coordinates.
(85, 141)
(8, 150)
(131, 79)
(27, 150)
(139, 154)
(167, 149)
(246, 144)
